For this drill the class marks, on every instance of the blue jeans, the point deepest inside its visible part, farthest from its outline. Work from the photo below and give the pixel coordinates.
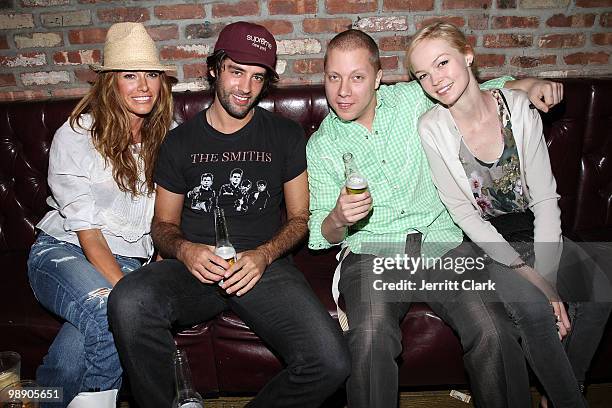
(281, 308)
(83, 355)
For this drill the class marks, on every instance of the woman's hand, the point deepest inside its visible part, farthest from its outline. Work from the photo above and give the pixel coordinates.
(563, 322)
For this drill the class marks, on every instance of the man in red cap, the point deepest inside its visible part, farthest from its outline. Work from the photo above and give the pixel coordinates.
(263, 286)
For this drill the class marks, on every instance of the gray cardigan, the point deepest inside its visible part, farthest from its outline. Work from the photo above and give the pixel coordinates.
(441, 141)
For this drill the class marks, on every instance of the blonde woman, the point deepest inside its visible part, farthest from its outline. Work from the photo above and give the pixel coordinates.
(490, 164)
(101, 178)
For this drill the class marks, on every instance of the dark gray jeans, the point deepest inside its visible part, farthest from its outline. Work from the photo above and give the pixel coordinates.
(583, 282)
(492, 355)
(281, 308)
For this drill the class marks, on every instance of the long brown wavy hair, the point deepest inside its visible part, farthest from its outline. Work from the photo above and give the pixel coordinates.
(111, 132)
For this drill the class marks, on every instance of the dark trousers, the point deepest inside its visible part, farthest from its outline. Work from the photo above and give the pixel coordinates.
(281, 309)
(582, 280)
(492, 355)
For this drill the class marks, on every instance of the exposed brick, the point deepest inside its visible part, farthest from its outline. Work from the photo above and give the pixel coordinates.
(515, 22)
(308, 66)
(478, 21)
(44, 78)
(87, 36)
(85, 76)
(240, 8)
(350, 6)
(489, 60)
(3, 43)
(506, 4)
(171, 52)
(23, 95)
(191, 71)
(395, 43)
(68, 92)
(77, 57)
(7, 80)
(389, 63)
(292, 6)
(179, 11)
(524, 61)
(586, 58)
(326, 25)
(408, 5)
(593, 3)
(507, 40)
(466, 4)
(377, 24)
(602, 38)
(605, 20)
(44, 3)
(561, 41)
(13, 21)
(28, 59)
(121, 14)
(544, 3)
(576, 20)
(422, 21)
(281, 66)
(66, 19)
(471, 39)
(163, 32)
(204, 30)
(38, 40)
(303, 46)
(277, 27)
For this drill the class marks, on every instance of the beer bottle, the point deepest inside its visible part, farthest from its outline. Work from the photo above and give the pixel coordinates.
(223, 247)
(355, 182)
(186, 395)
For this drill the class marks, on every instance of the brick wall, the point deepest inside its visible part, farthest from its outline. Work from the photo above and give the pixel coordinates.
(46, 45)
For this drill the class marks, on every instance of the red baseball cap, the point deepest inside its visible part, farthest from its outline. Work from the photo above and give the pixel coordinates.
(248, 43)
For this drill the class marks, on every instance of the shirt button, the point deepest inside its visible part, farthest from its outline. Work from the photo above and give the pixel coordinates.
(402, 212)
(384, 162)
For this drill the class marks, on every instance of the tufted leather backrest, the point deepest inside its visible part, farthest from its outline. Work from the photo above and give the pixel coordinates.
(578, 134)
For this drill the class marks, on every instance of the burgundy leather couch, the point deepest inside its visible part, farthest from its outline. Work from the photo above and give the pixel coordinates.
(225, 356)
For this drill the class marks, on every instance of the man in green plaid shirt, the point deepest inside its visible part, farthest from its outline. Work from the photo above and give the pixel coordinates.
(378, 125)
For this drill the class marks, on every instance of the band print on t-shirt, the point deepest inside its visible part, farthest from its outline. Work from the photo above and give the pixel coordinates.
(241, 192)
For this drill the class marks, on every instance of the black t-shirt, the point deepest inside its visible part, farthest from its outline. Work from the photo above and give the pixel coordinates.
(243, 173)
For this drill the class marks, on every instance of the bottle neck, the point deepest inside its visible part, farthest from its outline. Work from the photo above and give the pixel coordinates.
(221, 229)
(182, 372)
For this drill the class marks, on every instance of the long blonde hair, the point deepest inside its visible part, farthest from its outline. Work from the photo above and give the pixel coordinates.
(111, 130)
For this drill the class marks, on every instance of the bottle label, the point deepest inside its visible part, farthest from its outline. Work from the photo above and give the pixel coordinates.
(191, 405)
(226, 252)
(356, 184)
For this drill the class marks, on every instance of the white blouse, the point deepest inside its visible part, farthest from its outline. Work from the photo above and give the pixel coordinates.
(441, 141)
(85, 196)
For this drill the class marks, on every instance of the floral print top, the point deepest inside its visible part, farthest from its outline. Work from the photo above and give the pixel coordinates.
(496, 185)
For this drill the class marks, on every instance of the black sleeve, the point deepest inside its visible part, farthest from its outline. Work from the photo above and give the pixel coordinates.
(168, 172)
(295, 158)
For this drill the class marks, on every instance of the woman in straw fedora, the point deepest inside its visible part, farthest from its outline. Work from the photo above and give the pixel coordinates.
(100, 174)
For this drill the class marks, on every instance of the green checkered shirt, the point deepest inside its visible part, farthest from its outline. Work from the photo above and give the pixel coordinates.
(392, 159)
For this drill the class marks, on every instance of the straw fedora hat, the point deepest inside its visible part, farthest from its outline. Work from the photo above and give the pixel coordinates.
(128, 47)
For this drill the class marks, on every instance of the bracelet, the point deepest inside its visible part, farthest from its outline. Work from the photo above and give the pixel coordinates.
(518, 265)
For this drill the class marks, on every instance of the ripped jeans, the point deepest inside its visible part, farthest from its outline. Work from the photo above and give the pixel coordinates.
(83, 355)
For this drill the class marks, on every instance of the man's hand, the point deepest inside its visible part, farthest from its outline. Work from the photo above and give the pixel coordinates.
(202, 262)
(246, 272)
(351, 208)
(543, 94)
